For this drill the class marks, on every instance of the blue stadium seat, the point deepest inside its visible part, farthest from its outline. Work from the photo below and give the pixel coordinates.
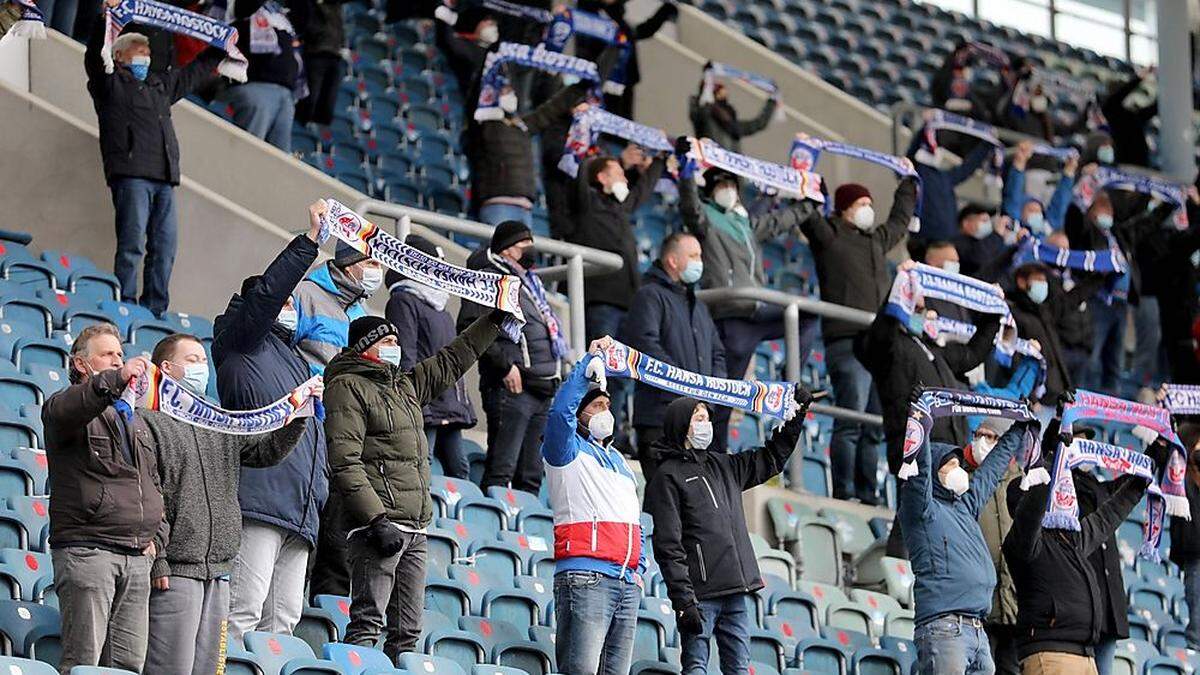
(34, 515)
(31, 571)
(18, 619)
(522, 608)
(18, 430)
(867, 661)
(904, 650)
(338, 608)
(17, 390)
(123, 314)
(286, 655)
(19, 266)
(459, 646)
(353, 659)
(317, 626)
(28, 315)
(12, 665)
(498, 559)
(98, 670)
(818, 655)
(450, 597)
(431, 665)
(189, 323)
(238, 661)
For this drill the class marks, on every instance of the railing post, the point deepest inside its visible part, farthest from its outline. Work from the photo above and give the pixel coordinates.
(403, 226)
(575, 297)
(791, 337)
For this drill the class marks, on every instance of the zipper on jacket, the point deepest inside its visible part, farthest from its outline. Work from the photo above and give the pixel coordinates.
(700, 559)
(595, 525)
(391, 420)
(628, 549)
(712, 495)
(387, 487)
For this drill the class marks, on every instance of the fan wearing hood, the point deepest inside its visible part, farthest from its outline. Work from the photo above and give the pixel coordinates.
(939, 510)
(598, 539)
(700, 536)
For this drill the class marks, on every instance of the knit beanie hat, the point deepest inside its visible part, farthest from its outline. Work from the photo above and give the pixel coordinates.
(366, 331)
(591, 395)
(508, 233)
(847, 194)
(346, 255)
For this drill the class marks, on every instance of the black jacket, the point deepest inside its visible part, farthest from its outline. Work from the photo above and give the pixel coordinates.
(1129, 126)
(667, 322)
(1185, 534)
(540, 371)
(1130, 231)
(1059, 608)
(719, 121)
(324, 32)
(899, 360)
(622, 104)
(465, 57)
(137, 137)
(423, 331)
(851, 264)
(1106, 561)
(974, 255)
(281, 68)
(604, 223)
(700, 537)
(1040, 322)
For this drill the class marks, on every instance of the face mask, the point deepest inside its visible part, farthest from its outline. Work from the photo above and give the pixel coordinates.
(976, 375)
(983, 228)
(508, 102)
(1038, 290)
(1106, 154)
(620, 191)
(916, 323)
(701, 435)
(288, 318)
(489, 34)
(864, 218)
(528, 259)
(1037, 222)
(1104, 221)
(951, 266)
(957, 481)
(1038, 104)
(139, 66)
(980, 447)
(390, 354)
(601, 425)
(372, 279)
(725, 197)
(195, 377)
(692, 273)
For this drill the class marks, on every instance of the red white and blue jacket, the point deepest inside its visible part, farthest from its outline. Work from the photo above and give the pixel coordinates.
(593, 493)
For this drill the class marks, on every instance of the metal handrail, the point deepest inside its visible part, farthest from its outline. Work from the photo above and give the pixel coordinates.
(581, 260)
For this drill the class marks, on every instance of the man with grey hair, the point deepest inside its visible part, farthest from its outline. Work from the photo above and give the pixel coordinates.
(141, 155)
(106, 511)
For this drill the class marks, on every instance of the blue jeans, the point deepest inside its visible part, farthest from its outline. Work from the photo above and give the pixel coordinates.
(445, 443)
(145, 225)
(1109, 337)
(596, 617)
(1147, 357)
(494, 214)
(854, 449)
(952, 645)
(728, 619)
(1106, 649)
(601, 319)
(265, 110)
(1191, 595)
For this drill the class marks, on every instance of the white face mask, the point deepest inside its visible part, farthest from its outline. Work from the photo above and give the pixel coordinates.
(951, 266)
(864, 218)
(488, 35)
(508, 102)
(957, 481)
(701, 435)
(980, 447)
(620, 191)
(288, 318)
(601, 425)
(725, 197)
(983, 228)
(390, 354)
(195, 377)
(372, 279)
(1038, 104)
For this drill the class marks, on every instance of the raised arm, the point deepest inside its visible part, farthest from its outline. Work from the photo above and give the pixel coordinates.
(970, 163)
(782, 220)
(758, 123)
(643, 189)
(242, 327)
(963, 357)
(77, 405)
(439, 372)
(995, 465)
(1099, 525)
(759, 466)
(668, 541)
(559, 106)
(1024, 539)
(1013, 193)
(916, 492)
(691, 209)
(646, 29)
(202, 70)
(557, 448)
(904, 205)
(98, 80)
(1138, 227)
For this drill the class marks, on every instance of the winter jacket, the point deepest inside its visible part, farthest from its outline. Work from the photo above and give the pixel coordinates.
(422, 331)
(939, 204)
(1040, 322)
(604, 223)
(465, 57)
(719, 121)
(700, 537)
(1129, 232)
(1185, 534)
(1129, 126)
(852, 264)
(593, 492)
(622, 103)
(1014, 198)
(668, 323)
(532, 355)
(103, 475)
(899, 360)
(974, 255)
(198, 469)
(326, 301)
(324, 32)
(995, 521)
(1106, 561)
(137, 136)
(280, 68)
(953, 568)
(257, 364)
(1059, 607)
(730, 241)
(378, 453)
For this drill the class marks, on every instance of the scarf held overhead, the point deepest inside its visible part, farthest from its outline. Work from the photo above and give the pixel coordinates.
(1183, 399)
(179, 21)
(911, 288)
(784, 179)
(806, 152)
(570, 22)
(493, 81)
(776, 399)
(1007, 346)
(31, 23)
(483, 288)
(1109, 178)
(586, 128)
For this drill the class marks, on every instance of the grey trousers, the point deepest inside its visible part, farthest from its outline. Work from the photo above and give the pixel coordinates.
(187, 626)
(103, 597)
(391, 587)
(267, 592)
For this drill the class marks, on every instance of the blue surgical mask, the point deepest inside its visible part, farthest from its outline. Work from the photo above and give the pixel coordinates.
(692, 273)
(1036, 222)
(1038, 291)
(1106, 154)
(916, 323)
(139, 66)
(195, 377)
(1104, 221)
(390, 354)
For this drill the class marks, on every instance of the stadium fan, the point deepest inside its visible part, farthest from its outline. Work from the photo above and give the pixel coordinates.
(324, 35)
(940, 174)
(715, 118)
(265, 105)
(982, 240)
(1169, 292)
(1040, 219)
(465, 37)
(1185, 534)
(621, 103)
(1128, 124)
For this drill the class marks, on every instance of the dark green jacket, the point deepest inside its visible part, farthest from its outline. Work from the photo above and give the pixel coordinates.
(375, 433)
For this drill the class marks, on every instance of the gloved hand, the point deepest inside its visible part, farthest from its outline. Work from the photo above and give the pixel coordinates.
(385, 537)
(689, 620)
(804, 397)
(1064, 398)
(682, 145)
(498, 317)
(915, 393)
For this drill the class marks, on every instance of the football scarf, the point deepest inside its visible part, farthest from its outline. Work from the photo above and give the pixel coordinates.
(30, 23)
(706, 154)
(176, 20)
(493, 79)
(586, 128)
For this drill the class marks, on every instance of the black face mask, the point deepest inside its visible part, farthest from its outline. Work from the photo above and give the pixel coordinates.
(528, 259)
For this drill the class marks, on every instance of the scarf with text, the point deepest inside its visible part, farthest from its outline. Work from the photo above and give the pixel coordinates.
(1110, 178)
(766, 176)
(30, 23)
(1060, 154)
(806, 152)
(533, 283)
(573, 22)
(1183, 399)
(1006, 349)
(179, 21)
(941, 120)
(493, 79)
(155, 390)
(1111, 261)
(911, 288)
(534, 14)
(934, 403)
(775, 399)
(586, 128)
(714, 70)
(483, 288)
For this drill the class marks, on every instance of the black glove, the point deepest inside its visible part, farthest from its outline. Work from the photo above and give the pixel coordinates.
(682, 145)
(1064, 398)
(804, 397)
(689, 620)
(385, 537)
(917, 390)
(498, 317)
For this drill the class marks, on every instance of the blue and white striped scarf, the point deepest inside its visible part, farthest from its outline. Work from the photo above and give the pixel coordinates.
(572, 22)
(941, 120)
(806, 152)
(1111, 261)
(587, 126)
(1005, 348)
(493, 79)
(1110, 178)
(520, 11)
(31, 24)
(784, 179)
(179, 21)
(911, 288)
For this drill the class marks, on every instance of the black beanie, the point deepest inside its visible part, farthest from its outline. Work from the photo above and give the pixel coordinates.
(508, 233)
(366, 331)
(591, 395)
(346, 255)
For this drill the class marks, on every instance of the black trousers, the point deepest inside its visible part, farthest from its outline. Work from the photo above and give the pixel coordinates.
(324, 74)
(330, 571)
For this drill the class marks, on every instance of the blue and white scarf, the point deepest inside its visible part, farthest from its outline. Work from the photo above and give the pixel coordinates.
(572, 22)
(1008, 345)
(1111, 261)
(806, 152)
(1183, 399)
(911, 288)
(775, 399)
(587, 126)
(1060, 154)
(716, 69)
(783, 179)
(520, 11)
(558, 345)
(501, 291)
(941, 120)
(176, 20)
(1109, 178)
(493, 79)
(31, 24)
